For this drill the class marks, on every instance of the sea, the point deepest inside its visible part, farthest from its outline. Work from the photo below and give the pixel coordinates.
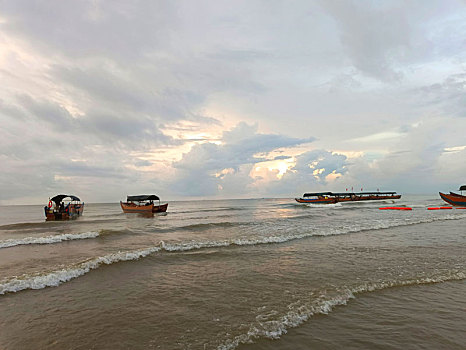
(235, 274)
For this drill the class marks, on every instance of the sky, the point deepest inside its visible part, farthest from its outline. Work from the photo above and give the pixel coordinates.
(230, 99)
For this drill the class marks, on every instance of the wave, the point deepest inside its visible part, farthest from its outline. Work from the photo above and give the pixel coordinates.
(48, 239)
(58, 277)
(320, 206)
(57, 238)
(55, 278)
(300, 313)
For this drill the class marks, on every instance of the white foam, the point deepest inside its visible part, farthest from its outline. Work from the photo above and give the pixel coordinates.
(298, 314)
(55, 278)
(48, 239)
(186, 246)
(325, 206)
(274, 329)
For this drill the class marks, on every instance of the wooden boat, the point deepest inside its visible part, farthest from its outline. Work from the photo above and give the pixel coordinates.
(63, 207)
(330, 197)
(143, 204)
(455, 198)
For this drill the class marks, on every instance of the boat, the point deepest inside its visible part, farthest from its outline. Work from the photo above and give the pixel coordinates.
(63, 207)
(455, 199)
(143, 204)
(331, 197)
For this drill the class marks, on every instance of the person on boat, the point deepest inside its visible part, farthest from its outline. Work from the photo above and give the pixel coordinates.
(62, 207)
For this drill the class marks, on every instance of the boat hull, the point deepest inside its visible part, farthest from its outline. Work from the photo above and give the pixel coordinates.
(454, 199)
(73, 211)
(315, 201)
(352, 198)
(143, 209)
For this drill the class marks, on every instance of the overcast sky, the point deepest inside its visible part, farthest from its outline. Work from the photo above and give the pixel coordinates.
(230, 99)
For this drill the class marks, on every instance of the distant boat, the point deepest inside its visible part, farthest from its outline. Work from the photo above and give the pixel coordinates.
(455, 198)
(330, 197)
(63, 207)
(143, 204)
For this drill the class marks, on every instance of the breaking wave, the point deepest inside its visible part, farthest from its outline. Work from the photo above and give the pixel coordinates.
(48, 239)
(301, 312)
(58, 277)
(55, 278)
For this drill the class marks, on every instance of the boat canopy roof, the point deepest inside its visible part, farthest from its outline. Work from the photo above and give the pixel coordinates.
(142, 197)
(462, 188)
(59, 197)
(346, 194)
(318, 194)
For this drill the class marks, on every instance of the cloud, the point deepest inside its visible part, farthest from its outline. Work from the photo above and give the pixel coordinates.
(190, 98)
(313, 168)
(224, 168)
(101, 29)
(281, 157)
(129, 129)
(446, 97)
(374, 52)
(417, 163)
(46, 111)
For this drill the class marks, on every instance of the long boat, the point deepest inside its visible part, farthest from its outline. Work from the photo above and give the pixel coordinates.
(331, 197)
(143, 204)
(63, 207)
(454, 198)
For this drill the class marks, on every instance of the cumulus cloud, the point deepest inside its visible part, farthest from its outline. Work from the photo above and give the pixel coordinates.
(315, 170)
(224, 168)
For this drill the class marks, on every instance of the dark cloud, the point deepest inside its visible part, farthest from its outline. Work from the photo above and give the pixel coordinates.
(447, 97)
(281, 157)
(108, 126)
(130, 91)
(10, 111)
(47, 112)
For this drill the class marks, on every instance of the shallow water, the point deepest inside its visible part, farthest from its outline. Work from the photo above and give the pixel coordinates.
(417, 317)
(231, 274)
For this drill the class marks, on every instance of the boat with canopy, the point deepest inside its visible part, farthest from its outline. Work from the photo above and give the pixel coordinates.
(63, 207)
(331, 197)
(143, 204)
(455, 199)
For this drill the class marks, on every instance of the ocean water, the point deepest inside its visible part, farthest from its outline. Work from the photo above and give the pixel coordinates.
(235, 274)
